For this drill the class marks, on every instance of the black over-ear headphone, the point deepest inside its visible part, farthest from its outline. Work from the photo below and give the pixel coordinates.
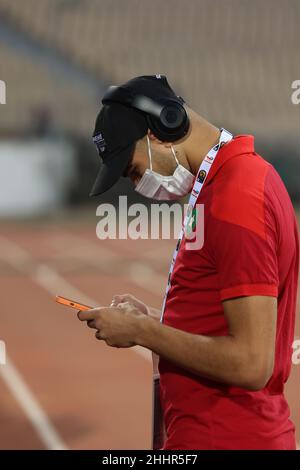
(166, 117)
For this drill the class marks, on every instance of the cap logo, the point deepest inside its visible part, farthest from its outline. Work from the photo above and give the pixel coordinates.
(158, 75)
(100, 142)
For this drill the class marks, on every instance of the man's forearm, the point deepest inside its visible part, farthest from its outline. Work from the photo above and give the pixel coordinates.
(219, 358)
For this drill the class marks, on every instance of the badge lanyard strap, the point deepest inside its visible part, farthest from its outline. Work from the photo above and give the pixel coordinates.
(204, 169)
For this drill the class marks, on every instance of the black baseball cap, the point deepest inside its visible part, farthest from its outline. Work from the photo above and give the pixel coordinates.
(119, 126)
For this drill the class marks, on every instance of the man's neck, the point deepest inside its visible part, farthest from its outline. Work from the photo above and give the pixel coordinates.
(202, 138)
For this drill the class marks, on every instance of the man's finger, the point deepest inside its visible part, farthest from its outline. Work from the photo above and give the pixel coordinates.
(85, 315)
(99, 336)
(117, 299)
(120, 298)
(125, 304)
(92, 324)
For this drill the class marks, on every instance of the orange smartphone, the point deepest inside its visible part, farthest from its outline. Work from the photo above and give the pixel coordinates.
(71, 303)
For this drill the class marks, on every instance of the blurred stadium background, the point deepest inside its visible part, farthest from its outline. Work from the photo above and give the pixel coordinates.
(234, 62)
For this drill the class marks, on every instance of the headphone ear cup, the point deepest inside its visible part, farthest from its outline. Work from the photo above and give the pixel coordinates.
(173, 123)
(172, 115)
(156, 128)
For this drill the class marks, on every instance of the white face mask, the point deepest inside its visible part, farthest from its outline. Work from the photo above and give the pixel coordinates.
(156, 186)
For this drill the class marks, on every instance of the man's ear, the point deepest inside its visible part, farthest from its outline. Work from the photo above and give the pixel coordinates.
(153, 138)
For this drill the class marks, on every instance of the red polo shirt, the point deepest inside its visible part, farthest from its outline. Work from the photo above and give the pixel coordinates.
(250, 248)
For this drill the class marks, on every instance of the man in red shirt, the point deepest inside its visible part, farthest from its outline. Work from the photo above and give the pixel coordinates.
(225, 337)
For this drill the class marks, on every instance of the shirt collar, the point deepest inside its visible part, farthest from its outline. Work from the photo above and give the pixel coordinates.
(240, 144)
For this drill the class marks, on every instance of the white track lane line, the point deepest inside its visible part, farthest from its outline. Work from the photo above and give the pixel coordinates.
(32, 409)
(48, 278)
(137, 271)
(53, 283)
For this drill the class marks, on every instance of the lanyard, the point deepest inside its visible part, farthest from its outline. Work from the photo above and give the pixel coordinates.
(203, 171)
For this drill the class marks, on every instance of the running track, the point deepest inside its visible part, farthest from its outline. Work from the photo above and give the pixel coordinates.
(62, 389)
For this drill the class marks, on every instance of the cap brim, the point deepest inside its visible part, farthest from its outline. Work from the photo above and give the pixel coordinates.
(111, 170)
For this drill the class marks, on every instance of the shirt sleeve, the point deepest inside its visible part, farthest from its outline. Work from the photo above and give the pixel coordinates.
(244, 252)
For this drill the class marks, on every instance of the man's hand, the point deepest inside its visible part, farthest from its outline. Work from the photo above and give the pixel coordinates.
(121, 298)
(117, 326)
